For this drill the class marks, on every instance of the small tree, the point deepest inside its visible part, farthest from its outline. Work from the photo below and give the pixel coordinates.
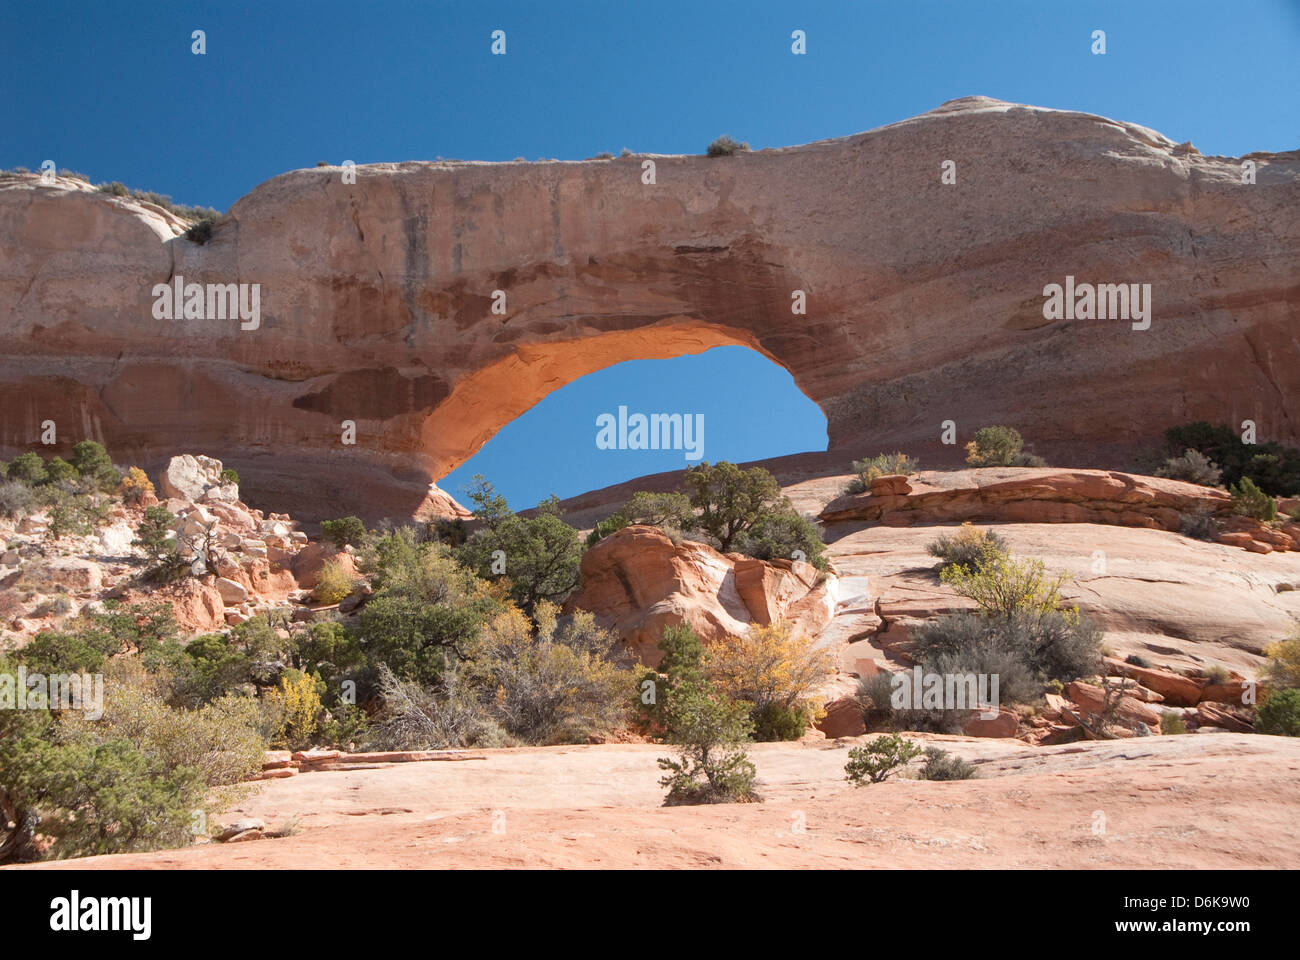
(994, 447)
(29, 468)
(875, 761)
(344, 532)
(730, 500)
(154, 536)
(93, 462)
(713, 766)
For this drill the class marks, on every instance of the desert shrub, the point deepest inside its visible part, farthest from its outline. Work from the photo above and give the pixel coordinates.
(28, 468)
(941, 765)
(541, 554)
(204, 670)
(71, 515)
(17, 499)
(74, 649)
(228, 476)
(729, 500)
(604, 155)
(552, 683)
(1199, 524)
(136, 486)
(327, 649)
(1217, 674)
(346, 531)
(1250, 501)
(1283, 667)
(711, 729)
(775, 672)
(93, 462)
(874, 762)
(218, 740)
(1005, 586)
(784, 534)
(334, 583)
(1273, 468)
(345, 726)
(1024, 650)
(427, 609)
(1171, 723)
(969, 546)
(881, 465)
(1000, 447)
(724, 146)
(1137, 661)
(201, 230)
(154, 534)
(413, 716)
(88, 795)
(59, 470)
(300, 697)
(1280, 714)
(684, 658)
(671, 511)
(1192, 467)
(875, 695)
(603, 528)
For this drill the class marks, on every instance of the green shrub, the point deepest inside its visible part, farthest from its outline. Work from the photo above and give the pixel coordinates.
(969, 546)
(881, 465)
(1280, 714)
(875, 761)
(59, 470)
(713, 766)
(201, 231)
(994, 447)
(603, 528)
(1273, 468)
(1171, 723)
(154, 534)
(724, 146)
(1250, 501)
(541, 553)
(93, 463)
(941, 765)
(1192, 467)
(783, 534)
(229, 476)
(1004, 586)
(335, 583)
(28, 468)
(346, 531)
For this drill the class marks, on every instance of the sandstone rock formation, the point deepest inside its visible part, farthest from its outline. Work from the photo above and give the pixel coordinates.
(925, 300)
(637, 581)
(1050, 495)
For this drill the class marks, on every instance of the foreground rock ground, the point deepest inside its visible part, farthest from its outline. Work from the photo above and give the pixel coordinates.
(1220, 801)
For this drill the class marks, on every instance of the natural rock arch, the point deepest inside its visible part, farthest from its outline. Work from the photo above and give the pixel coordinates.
(924, 299)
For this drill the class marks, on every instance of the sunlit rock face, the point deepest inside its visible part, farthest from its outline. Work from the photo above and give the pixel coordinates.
(924, 300)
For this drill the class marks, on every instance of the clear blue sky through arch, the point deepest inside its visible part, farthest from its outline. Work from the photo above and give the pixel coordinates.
(113, 90)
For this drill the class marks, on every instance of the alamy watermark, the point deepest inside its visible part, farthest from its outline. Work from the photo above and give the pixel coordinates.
(918, 690)
(55, 691)
(658, 431)
(179, 300)
(1104, 301)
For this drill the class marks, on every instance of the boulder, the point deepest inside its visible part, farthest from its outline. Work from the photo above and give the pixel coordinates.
(1004, 724)
(308, 562)
(1177, 690)
(637, 582)
(232, 592)
(245, 825)
(189, 477)
(844, 718)
(1090, 699)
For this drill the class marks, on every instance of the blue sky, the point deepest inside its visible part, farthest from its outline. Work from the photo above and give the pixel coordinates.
(111, 89)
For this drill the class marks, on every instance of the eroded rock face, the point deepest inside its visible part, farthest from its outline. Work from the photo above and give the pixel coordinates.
(925, 301)
(638, 582)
